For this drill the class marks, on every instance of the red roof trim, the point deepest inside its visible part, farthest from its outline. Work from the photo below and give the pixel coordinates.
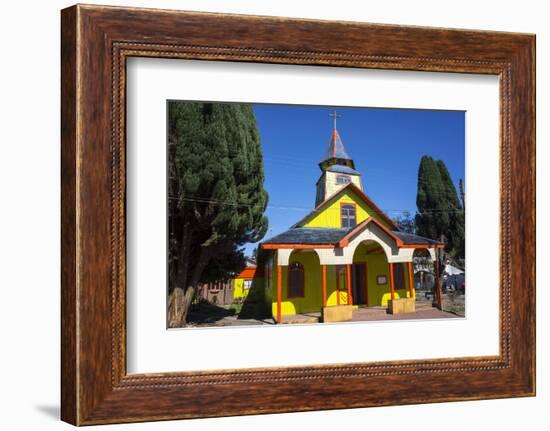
(345, 241)
(282, 245)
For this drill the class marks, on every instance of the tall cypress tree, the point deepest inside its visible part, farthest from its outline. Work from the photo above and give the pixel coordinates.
(216, 195)
(431, 220)
(439, 209)
(455, 233)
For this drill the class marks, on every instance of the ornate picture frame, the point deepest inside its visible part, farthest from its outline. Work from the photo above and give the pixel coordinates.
(96, 41)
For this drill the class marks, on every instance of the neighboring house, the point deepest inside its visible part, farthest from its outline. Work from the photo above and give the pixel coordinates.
(243, 283)
(236, 290)
(345, 251)
(217, 292)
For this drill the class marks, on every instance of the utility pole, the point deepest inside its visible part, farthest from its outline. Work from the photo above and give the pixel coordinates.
(438, 267)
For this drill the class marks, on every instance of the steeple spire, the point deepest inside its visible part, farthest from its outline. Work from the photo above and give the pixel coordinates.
(335, 152)
(337, 166)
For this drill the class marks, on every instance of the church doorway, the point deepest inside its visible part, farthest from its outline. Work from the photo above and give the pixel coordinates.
(359, 283)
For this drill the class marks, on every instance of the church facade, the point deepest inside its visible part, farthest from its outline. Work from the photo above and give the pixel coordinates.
(346, 251)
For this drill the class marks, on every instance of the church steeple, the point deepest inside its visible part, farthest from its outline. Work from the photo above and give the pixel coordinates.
(338, 168)
(336, 154)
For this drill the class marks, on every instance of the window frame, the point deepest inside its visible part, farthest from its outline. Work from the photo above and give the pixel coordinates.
(345, 182)
(348, 204)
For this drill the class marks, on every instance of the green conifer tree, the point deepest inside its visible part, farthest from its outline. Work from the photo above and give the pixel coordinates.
(455, 233)
(216, 195)
(439, 210)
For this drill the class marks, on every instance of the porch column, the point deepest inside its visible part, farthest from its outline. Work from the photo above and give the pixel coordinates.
(279, 289)
(392, 286)
(348, 273)
(324, 276)
(411, 280)
(338, 269)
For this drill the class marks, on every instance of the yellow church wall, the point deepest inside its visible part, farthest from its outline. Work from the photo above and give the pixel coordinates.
(337, 277)
(256, 291)
(268, 279)
(271, 285)
(330, 215)
(406, 294)
(312, 299)
(268, 292)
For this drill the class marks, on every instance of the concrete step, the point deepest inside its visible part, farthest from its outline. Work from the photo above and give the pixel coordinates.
(300, 319)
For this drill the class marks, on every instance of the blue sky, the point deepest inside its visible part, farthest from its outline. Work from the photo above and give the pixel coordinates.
(385, 144)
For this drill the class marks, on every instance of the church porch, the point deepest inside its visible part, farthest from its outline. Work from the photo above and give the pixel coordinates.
(368, 267)
(303, 287)
(365, 287)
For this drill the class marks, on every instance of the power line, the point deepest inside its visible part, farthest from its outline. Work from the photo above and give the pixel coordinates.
(292, 208)
(393, 179)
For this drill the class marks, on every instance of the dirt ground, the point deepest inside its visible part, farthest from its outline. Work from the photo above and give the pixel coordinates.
(455, 304)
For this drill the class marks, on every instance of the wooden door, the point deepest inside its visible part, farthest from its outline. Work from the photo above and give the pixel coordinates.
(359, 283)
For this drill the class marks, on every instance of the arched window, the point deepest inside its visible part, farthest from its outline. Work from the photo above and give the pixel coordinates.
(295, 280)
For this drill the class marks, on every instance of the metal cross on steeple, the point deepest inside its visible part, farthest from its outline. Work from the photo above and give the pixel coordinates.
(334, 115)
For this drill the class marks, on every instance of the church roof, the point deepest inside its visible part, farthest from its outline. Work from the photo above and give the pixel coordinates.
(340, 237)
(335, 149)
(340, 169)
(309, 235)
(409, 238)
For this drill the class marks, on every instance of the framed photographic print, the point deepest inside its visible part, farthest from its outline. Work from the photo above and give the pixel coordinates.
(291, 212)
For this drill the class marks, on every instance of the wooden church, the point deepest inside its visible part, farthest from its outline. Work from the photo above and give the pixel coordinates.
(346, 253)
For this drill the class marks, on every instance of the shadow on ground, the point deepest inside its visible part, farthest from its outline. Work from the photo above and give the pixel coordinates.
(52, 411)
(206, 312)
(255, 305)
